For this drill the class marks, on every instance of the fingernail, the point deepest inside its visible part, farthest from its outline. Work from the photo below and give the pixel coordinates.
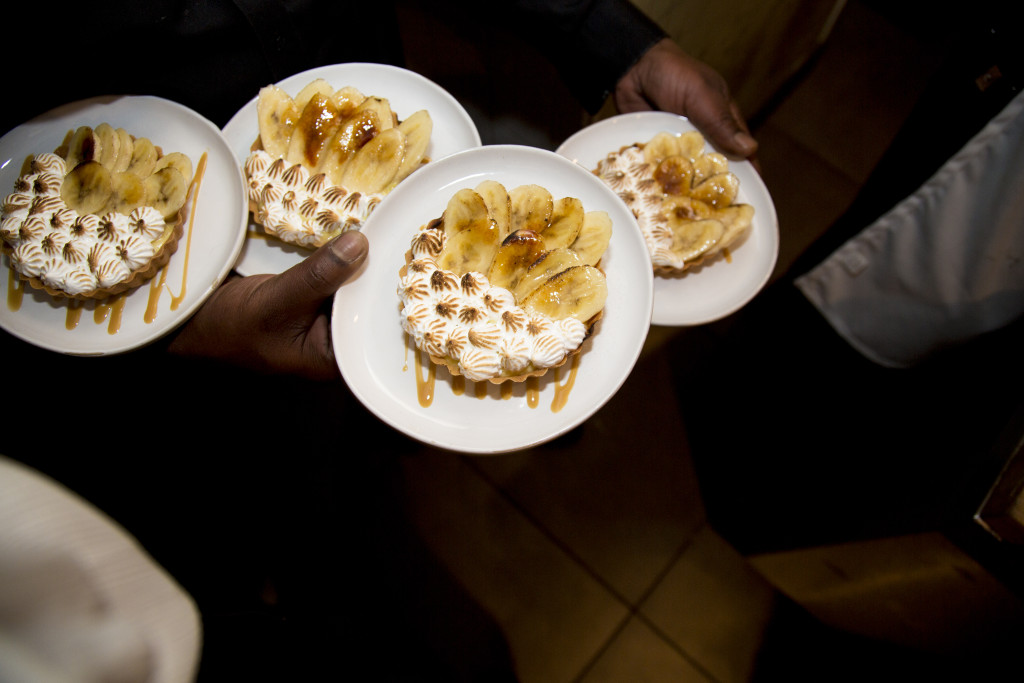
(745, 142)
(348, 246)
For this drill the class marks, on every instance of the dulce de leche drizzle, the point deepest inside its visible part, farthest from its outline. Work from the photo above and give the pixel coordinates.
(110, 311)
(425, 373)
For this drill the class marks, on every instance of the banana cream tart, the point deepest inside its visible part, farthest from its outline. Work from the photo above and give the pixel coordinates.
(683, 197)
(97, 217)
(505, 284)
(325, 158)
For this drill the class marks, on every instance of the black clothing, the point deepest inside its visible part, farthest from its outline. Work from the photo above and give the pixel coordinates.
(214, 55)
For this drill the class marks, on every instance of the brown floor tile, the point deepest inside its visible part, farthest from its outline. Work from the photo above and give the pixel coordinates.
(714, 607)
(851, 103)
(809, 194)
(640, 655)
(554, 615)
(619, 492)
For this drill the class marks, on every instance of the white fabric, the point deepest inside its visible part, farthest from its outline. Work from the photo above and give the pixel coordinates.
(80, 600)
(944, 265)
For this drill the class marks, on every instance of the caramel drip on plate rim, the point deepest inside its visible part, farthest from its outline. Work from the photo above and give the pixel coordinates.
(425, 373)
(74, 315)
(424, 385)
(15, 288)
(532, 392)
(562, 389)
(110, 310)
(197, 179)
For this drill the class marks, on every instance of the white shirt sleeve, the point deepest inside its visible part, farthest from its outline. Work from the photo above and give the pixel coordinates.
(944, 265)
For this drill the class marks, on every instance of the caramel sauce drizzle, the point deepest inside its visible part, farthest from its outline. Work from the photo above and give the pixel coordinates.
(15, 288)
(197, 180)
(74, 314)
(424, 385)
(425, 373)
(563, 389)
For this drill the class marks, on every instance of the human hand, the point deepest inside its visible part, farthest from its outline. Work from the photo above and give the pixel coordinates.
(276, 323)
(668, 79)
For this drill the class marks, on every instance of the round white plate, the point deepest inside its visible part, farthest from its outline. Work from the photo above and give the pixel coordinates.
(406, 92)
(379, 366)
(205, 254)
(718, 289)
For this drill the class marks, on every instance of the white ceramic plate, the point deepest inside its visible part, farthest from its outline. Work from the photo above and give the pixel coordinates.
(379, 366)
(205, 253)
(722, 287)
(406, 91)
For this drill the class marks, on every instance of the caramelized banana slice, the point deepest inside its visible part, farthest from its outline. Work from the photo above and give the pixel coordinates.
(691, 145)
(543, 269)
(416, 129)
(685, 208)
(499, 205)
(466, 209)
(109, 144)
(719, 190)
(125, 150)
(354, 132)
(661, 146)
(84, 145)
(128, 193)
(513, 258)
(318, 86)
(373, 167)
(347, 100)
(708, 165)
(531, 208)
(578, 292)
(692, 238)
(735, 219)
(566, 223)
(470, 250)
(176, 160)
(675, 175)
(87, 187)
(277, 114)
(594, 237)
(144, 157)
(317, 124)
(166, 190)
(382, 108)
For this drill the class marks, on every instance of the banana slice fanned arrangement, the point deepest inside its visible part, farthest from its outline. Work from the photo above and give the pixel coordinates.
(684, 198)
(110, 170)
(505, 284)
(326, 157)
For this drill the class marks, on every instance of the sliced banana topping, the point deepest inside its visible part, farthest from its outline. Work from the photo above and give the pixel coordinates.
(496, 305)
(683, 196)
(351, 142)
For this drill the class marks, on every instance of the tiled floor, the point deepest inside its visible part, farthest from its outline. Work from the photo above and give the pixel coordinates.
(592, 554)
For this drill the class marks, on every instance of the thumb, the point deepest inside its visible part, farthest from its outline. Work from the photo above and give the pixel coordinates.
(317, 277)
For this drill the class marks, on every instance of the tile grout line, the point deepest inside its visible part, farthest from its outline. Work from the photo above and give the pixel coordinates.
(632, 610)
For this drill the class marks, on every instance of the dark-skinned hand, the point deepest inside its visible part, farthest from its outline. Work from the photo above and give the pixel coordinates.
(276, 323)
(668, 79)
